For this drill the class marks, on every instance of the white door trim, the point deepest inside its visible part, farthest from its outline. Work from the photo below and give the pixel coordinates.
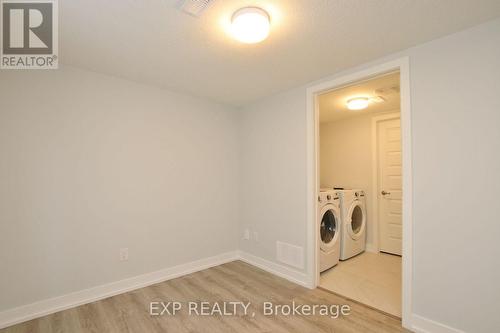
(375, 217)
(403, 65)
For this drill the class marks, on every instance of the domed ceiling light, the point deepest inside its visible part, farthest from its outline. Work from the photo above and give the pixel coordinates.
(358, 103)
(250, 25)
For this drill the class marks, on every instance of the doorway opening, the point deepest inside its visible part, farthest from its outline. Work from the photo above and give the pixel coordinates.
(361, 164)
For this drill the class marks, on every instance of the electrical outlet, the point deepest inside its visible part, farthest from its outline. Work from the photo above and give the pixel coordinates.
(256, 236)
(246, 234)
(124, 254)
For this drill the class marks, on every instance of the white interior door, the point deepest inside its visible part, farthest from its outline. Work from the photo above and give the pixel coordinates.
(390, 185)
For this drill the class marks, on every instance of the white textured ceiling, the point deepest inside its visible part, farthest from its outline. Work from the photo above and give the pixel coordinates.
(333, 105)
(151, 41)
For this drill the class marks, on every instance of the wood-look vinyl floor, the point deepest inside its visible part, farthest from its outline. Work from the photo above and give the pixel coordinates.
(235, 281)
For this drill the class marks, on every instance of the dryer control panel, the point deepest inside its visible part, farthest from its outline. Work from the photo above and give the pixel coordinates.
(359, 194)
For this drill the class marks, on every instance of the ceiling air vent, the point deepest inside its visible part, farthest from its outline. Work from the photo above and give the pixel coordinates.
(384, 91)
(195, 7)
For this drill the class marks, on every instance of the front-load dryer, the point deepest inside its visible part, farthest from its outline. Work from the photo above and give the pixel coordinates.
(328, 225)
(353, 216)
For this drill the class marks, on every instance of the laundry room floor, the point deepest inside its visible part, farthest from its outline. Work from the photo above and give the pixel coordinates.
(373, 279)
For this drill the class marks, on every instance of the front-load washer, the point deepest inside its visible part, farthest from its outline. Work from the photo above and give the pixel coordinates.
(353, 217)
(328, 225)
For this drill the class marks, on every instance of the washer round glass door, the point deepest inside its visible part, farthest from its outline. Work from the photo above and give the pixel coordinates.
(356, 226)
(328, 228)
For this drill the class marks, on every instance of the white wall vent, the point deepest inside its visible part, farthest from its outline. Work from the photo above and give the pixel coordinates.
(194, 7)
(290, 254)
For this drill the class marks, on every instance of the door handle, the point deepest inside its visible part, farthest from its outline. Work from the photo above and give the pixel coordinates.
(385, 193)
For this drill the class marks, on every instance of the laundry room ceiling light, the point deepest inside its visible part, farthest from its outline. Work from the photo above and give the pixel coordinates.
(250, 25)
(358, 103)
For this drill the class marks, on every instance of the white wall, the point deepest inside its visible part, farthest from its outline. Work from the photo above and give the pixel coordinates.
(456, 139)
(273, 174)
(90, 164)
(346, 159)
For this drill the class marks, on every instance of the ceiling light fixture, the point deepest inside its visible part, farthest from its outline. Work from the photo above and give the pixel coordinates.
(358, 103)
(250, 25)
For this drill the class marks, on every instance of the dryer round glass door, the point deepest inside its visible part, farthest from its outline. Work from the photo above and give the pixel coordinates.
(328, 227)
(358, 221)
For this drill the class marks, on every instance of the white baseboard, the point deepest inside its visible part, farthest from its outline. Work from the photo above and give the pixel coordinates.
(46, 307)
(49, 306)
(276, 269)
(424, 325)
(39, 309)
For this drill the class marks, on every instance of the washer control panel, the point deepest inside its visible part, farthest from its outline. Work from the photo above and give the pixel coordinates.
(328, 196)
